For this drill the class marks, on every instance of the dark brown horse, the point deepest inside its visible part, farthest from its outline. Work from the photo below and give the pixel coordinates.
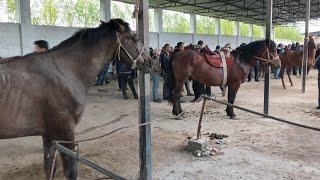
(45, 94)
(295, 58)
(193, 64)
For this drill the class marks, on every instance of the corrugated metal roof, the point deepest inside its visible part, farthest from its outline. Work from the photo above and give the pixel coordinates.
(250, 11)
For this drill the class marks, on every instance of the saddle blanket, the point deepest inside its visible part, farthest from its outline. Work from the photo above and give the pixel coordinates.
(215, 60)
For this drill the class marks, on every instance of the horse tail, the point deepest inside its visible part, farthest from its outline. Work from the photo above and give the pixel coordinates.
(171, 80)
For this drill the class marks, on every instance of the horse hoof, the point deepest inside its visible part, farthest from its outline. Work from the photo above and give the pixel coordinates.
(234, 117)
(179, 118)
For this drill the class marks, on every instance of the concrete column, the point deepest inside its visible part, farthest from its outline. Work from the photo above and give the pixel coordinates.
(218, 30)
(23, 12)
(236, 32)
(273, 34)
(23, 15)
(193, 26)
(105, 10)
(251, 31)
(158, 20)
(264, 31)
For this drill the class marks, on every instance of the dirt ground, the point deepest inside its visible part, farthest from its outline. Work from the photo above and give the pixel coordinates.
(257, 148)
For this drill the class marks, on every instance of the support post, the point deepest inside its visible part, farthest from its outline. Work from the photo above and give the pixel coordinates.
(200, 119)
(23, 15)
(218, 30)
(105, 10)
(267, 68)
(193, 26)
(158, 20)
(236, 32)
(251, 31)
(305, 47)
(144, 95)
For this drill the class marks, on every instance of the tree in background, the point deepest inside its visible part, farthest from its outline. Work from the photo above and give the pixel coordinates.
(244, 29)
(123, 11)
(227, 27)
(88, 12)
(288, 32)
(49, 12)
(175, 22)
(8, 11)
(205, 25)
(257, 31)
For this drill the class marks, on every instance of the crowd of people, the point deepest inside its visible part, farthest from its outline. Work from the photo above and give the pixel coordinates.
(160, 65)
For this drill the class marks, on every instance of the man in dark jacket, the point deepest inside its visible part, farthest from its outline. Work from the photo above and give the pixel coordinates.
(125, 76)
(318, 51)
(198, 88)
(164, 60)
(317, 65)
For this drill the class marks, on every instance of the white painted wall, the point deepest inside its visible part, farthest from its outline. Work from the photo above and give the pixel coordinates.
(10, 43)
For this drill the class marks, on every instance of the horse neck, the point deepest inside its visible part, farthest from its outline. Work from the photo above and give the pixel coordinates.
(83, 63)
(311, 52)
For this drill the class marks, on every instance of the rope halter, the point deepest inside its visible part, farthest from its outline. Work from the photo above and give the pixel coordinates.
(271, 59)
(134, 60)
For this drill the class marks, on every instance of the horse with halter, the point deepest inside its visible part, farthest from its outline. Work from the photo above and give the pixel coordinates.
(45, 94)
(195, 65)
(293, 58)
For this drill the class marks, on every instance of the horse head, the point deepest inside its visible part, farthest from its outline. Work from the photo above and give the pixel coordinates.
(268, 54)
(130, 49)
(312, 43)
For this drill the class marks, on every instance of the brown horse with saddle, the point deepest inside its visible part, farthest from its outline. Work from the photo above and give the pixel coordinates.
(45, 94)
(295, 58)
(218, 70)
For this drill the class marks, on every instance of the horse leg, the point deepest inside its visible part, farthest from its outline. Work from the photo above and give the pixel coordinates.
(232, 93)
(48, 155)
(288, 73)
(281, 75)
(69, 164)
(175, 101)
(179, 108)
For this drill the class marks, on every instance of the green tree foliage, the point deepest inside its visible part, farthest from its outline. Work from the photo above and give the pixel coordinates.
(175, 22)
(88, 12)
(244, 29)
(78, 13)
(151, 20)
(227, 27)
(123, 11)
(288, 32)
(11, 10)
(7, 11)
(257, 31)
(49, 12)
(205, 25)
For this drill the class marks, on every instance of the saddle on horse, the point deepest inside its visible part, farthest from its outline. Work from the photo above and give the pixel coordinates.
(215, 60)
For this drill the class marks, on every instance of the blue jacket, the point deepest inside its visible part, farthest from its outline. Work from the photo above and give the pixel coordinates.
(123, 68)
(317, 65)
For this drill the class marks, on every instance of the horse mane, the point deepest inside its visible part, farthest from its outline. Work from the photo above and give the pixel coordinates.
(91, 36)
(87, 36)
(247, 51)
(10, 59)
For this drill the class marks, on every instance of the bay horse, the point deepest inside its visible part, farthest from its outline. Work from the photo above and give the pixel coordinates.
(45, 94)
(193, 64)
(294, 58)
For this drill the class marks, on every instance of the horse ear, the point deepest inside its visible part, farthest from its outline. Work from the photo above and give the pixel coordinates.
(267, 42)
(119, 27)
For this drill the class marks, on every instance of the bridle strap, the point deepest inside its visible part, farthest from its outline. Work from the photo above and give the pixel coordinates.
(134, 60)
